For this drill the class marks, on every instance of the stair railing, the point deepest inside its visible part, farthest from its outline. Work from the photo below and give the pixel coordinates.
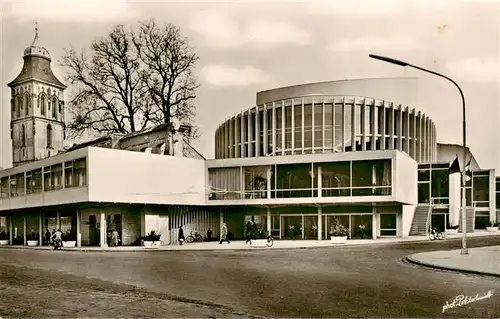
(428, 219)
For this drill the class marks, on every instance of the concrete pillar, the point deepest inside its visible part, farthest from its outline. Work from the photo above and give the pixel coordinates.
(11, 219)
(40, 230)
(269, 182)
(269, 221)
(353, 125)
(303, 128)
(274, 129)
(283, 130)
(312, 124)
(257, 132)
(375, 225)
(221, 222)
(363, 125)
(58, 220)
(293, 126)
(265, 146)
(320, 223)
(24, 229)
(383, 130)
(103, 232)
(320, 181)
(343, 126)
(78, 230)
(323, 127)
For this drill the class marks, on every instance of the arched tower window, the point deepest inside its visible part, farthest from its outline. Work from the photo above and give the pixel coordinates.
(27, 104)
(19, 106)
(54, 108)
(42, 104)
(49, 135)
(23, 135)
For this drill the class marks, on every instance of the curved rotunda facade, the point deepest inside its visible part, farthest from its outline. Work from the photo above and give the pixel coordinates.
(320, 118)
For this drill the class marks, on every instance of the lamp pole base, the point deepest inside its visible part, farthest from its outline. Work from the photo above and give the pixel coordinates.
(464, 251)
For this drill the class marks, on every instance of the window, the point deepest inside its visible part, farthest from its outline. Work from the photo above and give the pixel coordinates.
(27, 104)
(52, 177)
(49, 135)
(75, 173)
(225, 183)
(23, 135)
(34, 181)
(19, 106)
(42, 105)
(294, 180)
(336, 180)
(54, 108)
(4, 187)
(255, 181)
(388, 225)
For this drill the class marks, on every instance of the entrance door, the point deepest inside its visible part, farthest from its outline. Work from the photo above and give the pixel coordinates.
(94, 236)
(292, 227)
(311, 227)
(388, 225)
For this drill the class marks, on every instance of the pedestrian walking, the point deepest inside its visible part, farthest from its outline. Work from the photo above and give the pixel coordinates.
(47, 237)
(248, 232)
(57, 239)
(115, 238)
(181, 236)
(223, 234)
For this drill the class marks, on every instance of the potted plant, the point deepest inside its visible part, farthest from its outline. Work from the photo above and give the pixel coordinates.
(493, 227)
(260, 238)
(32, 239)
(453, 230)
(152, 240)
(4, 239)
(338, 232)
(69, 239)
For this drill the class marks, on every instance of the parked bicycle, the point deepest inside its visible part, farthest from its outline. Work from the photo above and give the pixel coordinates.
(270, 241)
(435, 233)
(196, 237)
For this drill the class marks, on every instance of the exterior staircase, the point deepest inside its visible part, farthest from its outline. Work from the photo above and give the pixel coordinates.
(418, 225)
(471, 217)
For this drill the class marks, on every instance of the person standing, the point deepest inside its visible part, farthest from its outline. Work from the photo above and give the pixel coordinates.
(209, 234)
(248, 232)
(115, 238)
(223, 234)
(181, 236)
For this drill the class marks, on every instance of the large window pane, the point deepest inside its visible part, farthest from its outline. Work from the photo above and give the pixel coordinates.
(255, 181)
(440, 184)
(328, 125)
(318, 125)
(225, 183)
(371, 177)
(338, 127)
(335, 178)
(361, 226)
(4, 187)
(423, 193)
(308, 126)
(294, 180)
(481, 189)
(298, 124)
(388, 225)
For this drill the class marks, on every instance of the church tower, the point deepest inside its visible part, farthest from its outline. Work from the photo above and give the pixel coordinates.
(37, 128)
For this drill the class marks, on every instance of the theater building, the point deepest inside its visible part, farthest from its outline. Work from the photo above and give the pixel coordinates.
(355, 151)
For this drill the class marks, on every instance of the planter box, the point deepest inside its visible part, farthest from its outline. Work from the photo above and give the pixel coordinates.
(4, 242)
(338, 239)
(452, 231)
(32, 243)
(493, 229)
(151, 244)
(259, 242)
(71, 243)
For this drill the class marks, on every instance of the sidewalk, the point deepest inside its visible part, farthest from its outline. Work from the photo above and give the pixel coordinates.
(482, 260)
(241, 245)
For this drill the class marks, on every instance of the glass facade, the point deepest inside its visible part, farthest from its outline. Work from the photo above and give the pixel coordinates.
(332, 179)
(433, 183)
(45, 179)
(326, 124)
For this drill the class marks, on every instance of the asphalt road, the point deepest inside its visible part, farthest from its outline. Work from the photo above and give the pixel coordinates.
(369, 281)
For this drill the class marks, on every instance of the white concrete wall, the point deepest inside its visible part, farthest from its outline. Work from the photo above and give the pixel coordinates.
(133, 177)
(408, 212)
(454, 193)
(405, 179)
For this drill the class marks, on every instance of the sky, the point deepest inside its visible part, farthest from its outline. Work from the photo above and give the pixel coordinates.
(250, 46)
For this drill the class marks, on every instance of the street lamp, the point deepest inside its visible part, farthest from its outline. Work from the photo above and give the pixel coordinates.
(464, 250)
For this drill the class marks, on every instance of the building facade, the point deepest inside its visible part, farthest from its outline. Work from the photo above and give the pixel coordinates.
(304, 160)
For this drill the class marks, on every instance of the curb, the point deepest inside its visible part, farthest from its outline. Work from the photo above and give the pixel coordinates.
(412, 260)
(419, 241)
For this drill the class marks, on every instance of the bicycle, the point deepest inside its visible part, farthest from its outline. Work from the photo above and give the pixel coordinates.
(434, 234)
(270, 241)
(196, 237)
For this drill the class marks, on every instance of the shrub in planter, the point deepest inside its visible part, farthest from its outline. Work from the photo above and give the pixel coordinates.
(454, 227)
(338, 230)
(3, 235)
(152, 236)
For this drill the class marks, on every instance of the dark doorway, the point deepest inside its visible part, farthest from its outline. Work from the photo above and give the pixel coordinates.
(93, 231)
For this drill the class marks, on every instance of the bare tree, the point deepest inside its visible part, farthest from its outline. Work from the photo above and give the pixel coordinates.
(132, 79)
(169, 62)
(109, 95)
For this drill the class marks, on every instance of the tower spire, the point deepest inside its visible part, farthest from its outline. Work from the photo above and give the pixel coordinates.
(36, 34)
